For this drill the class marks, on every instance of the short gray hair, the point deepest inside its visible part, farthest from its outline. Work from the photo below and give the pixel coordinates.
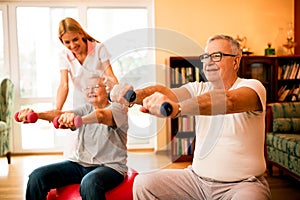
(235, 45)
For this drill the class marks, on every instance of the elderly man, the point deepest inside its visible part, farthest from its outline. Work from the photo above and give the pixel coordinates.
(228, 159)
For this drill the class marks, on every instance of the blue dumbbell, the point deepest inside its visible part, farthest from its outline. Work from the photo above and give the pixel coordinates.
(166, 109)
(130, 96)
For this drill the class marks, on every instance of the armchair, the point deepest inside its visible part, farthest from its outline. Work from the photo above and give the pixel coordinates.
(283, 137)
(6, 116)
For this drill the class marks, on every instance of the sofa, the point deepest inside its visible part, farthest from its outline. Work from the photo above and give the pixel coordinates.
(6, 116)
(283, 137)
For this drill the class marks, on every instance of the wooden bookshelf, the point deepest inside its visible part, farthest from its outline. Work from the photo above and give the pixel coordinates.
(279, 74)
(183, 70)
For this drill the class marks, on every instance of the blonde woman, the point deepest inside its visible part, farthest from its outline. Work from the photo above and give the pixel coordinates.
(83, 54)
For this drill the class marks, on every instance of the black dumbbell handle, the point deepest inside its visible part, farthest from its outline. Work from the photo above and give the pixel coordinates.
(130, 96)
(166, 109)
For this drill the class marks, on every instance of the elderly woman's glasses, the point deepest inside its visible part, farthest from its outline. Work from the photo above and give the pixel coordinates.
(93, 88)
(215, 57)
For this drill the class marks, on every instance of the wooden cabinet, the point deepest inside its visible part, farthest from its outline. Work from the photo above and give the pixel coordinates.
(279, 74)
(183, 70)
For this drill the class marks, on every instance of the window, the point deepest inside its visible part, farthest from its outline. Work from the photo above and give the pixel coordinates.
(36, 31)
(38, 46)
(132, 64)
(4, 68)
(1, 45)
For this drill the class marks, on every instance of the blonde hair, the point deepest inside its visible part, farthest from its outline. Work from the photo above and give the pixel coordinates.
(71, 25)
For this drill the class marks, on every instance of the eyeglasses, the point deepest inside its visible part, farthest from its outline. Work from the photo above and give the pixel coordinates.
(215, 57)
(95, 88)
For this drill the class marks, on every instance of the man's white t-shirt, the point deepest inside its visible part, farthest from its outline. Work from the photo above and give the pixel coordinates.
(230, 147)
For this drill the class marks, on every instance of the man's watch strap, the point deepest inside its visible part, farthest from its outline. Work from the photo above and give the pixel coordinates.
(178, 114)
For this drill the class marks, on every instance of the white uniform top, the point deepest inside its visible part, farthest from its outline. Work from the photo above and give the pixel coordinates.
(230, 147)
(93, 63)
(99, 144)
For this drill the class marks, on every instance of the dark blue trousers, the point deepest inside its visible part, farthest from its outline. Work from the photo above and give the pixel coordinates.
(94, 181)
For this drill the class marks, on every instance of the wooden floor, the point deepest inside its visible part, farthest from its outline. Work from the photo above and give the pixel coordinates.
(13, 177)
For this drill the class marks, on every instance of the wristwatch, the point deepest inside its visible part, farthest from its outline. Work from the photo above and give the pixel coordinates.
(178, 114)
(130, 105)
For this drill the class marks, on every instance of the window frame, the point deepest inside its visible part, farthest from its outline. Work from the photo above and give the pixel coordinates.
(11, 46)
(6, 49)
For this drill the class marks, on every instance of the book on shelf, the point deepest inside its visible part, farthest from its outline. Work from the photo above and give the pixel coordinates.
(284, 94)
(183, 75)
(298, 72)
(186, 123)
(295, 94)
(285, 71)
(294, 70)
(189, 74)
(183, 140)
(279, 73)
(289, 71)
(197, 74)
(289, 93)
(280, 91)
(176, 75)
(182, 146)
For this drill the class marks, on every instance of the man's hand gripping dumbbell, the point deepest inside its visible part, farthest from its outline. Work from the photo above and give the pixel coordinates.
(124, 94)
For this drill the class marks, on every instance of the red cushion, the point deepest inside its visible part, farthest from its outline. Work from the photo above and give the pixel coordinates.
(122, 191)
